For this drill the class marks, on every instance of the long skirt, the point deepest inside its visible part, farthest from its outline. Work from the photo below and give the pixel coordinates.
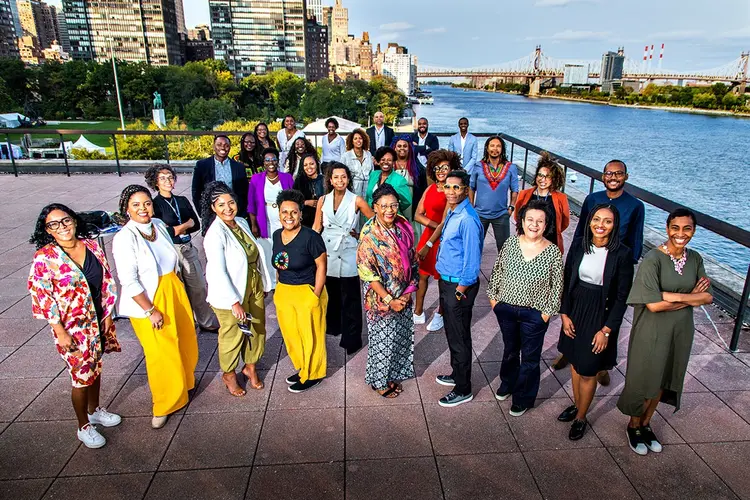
(344, 315)
(390, 353)
(587, 315)
(172, 352)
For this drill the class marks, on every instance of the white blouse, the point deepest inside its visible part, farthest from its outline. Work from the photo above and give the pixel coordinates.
(591, 269)
(333, 150)
(162, 250)
(360, 171)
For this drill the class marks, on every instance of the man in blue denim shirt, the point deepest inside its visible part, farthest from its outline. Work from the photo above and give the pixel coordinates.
(458, 260)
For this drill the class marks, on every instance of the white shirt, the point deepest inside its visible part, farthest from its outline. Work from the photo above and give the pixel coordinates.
(341, 246)
(360, 171)
(591, 269)
(421, 141)
(333, 150)
(286, 145)
(270, 193)
(463, 145)
(379, 137)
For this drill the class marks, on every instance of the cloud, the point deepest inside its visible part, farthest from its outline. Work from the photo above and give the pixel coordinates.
(559, 3)
(434, 31)
(389, 37)
(573, 36)
(475, 38)
(742, 33)
(676, 35)
(397, 26)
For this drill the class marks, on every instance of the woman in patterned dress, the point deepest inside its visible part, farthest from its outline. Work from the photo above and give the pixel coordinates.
(387, 265)
(73, 290)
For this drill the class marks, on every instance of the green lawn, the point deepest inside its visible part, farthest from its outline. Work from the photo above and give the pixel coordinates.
(99, 140)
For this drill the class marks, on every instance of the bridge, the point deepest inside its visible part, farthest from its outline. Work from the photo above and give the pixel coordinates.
(538, 66)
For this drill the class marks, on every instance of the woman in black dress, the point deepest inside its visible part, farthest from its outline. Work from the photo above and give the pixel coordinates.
(310, 183)
(598, 277)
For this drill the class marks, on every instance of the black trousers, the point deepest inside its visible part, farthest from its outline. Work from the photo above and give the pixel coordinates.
(500, 228)
(457, 317)
(344, 313)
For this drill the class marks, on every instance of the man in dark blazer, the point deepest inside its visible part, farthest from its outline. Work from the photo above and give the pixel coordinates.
(220, 167)
(429, 142)
(380, 134)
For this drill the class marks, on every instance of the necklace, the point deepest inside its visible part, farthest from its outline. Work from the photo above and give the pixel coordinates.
(679, 264)
(495, 175)
(151, 237)
(272, 179)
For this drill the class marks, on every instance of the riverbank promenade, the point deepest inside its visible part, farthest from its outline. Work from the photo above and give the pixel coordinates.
(341, 440)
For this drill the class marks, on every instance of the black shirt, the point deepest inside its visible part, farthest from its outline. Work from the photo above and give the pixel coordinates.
(312, 190)
(92, 270)
(295, 261)
(174, 211)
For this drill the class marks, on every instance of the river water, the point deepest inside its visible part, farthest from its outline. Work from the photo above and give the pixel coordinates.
(700, 161)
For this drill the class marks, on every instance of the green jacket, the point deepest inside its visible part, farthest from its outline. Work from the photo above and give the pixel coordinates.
(397, 182)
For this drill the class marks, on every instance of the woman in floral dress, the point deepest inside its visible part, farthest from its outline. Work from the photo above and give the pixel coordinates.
(387, 265)
(73, 290)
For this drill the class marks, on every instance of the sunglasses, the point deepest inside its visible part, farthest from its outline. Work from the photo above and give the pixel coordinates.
(453, 187)
(270, 160)
(443, 168)
(56, 224)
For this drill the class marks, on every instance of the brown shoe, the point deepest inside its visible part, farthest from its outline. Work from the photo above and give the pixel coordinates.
(603, 378)
(560, 362)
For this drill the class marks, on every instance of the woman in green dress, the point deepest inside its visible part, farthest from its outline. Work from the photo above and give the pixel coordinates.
(670, 281)
(384, 173)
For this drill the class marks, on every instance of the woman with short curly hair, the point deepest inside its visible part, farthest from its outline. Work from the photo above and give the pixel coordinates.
(359, 160)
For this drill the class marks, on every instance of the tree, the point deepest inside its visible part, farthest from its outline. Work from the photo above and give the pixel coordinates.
(207, 113)
(705, 100)
(719, 90)
(729, 100)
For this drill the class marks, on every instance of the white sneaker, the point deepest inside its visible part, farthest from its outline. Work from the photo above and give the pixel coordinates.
(159, 422)
(419, 319)
(436, 323)
(90, 437)
(105, 418)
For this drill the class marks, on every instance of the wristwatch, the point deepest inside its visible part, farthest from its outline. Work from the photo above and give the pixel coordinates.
(428, 244)
(460, 295)
(511, 208)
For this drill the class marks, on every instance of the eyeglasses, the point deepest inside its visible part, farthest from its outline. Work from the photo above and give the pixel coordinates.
(270, 159)
(166, 178)
(443, 168)
(55, 224)
(393, 207)
(543, 176)
(453, 187)
(620, 174)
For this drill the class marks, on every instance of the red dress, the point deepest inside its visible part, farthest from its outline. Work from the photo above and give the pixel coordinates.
(434, 207)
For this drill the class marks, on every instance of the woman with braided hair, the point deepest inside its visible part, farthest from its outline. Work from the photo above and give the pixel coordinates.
(154, 299)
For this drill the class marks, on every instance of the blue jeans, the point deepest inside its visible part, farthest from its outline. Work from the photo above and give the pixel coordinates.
(523, 337)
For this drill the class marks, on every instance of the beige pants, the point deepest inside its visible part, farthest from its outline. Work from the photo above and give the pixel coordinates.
(195, 286)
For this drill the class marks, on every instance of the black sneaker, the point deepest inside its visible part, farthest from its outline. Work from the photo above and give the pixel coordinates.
(445, 380)
(517, 410)
(635, 441)
(650, 440)
(292, 379)
(577, 429)
(300, 387)
(452, 399)
(568, 414)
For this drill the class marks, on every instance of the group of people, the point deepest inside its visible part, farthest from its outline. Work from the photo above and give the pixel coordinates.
(367, 231)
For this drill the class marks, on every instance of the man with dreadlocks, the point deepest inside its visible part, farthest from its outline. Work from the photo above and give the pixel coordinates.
(408, 168)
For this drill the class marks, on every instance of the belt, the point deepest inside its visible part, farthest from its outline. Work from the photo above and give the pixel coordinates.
(272, 205)
(449, 279)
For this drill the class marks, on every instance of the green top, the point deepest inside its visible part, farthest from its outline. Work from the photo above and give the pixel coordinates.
(250, 248)
(399, 184)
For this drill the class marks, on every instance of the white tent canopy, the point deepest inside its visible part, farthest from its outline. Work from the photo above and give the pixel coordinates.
(83, 143)
(319, 126)
(11, 120)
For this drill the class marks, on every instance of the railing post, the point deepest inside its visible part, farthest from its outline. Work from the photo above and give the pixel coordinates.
(740, 313)
(565, 176)
(591, 185)
(117, 156)
(512, 147)
(166, 148)
(10, 153)
(65, 155)
(525, 162)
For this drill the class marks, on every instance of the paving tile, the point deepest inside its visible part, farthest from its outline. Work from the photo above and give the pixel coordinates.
(16, 332)
(358, 393)
(723, 458)
(292, 482)
(704, 418)
(538, 428)
(480, 477)
(690, 384)
(609, 423)
(134, 398)
(703, 345)
(125, 361)
(386, 432)
(739, 401)
(212, 396)
(45, 455)
(16, 395)
(206, 484)
(300, 436)
(718, 372)
(617, 382)
(32, 362)
(207, 354)
(431, 391)
(132, 446)
(24, 488)
(210, 441)
(111, 487)
(470, 428)
(549, 385)
(5, 352)
(676, 472)
(417, 479)
(431, 349)
(20, 308)
(329, 394)
(574, 474)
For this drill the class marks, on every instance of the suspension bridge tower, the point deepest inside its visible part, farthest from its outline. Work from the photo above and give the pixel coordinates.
(535, 82)
(742, 73)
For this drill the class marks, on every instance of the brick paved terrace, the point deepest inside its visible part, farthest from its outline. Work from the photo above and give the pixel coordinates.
(341, 440)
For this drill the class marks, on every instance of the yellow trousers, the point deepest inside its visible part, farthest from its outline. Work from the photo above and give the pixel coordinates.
(172, 352)
(232, 342)
(302, 320)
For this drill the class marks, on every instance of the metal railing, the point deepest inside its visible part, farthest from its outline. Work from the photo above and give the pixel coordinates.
(726, 297)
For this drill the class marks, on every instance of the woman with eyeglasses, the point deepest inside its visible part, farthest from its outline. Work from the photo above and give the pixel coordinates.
(385, 158)
(72, 288)
(178, 214)
(548, 181)
(310, 183)
(388, 268)
(154, 299)
(247, 155)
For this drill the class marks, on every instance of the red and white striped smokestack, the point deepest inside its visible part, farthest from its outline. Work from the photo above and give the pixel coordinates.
(650, 56)
(645, 57)
(661, 55)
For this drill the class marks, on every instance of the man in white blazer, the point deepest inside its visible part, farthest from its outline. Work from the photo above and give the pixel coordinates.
(465, 144)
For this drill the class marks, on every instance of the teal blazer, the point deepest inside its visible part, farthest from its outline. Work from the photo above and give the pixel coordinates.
(398, 183)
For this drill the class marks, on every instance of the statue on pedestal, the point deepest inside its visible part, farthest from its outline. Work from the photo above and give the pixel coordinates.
(158, 104)
(158, 111)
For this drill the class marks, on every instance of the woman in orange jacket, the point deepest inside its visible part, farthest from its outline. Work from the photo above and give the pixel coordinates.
(548, 181)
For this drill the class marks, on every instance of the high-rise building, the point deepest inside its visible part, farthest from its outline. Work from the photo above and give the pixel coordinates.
(316, 50)
(327, 19)
(180, 11)
(256, 36)
(135, 31)
(38, 20)
(199, 46)
(339, 22)
(200, 32)
(315, 8)
(365, 58)
(8, 44)
(612, 67)
(401, 67)
(62, 32)
(29, 49)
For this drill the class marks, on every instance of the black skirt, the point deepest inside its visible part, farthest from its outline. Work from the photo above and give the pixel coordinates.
(587, 315)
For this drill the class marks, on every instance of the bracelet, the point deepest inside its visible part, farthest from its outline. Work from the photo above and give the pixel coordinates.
(606, 335)
(387, 299)
(150, 311)
(428, 244)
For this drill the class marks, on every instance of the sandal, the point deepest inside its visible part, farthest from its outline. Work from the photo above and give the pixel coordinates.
(255, 385)
(388, 393)
(396, 387)
(238, 392)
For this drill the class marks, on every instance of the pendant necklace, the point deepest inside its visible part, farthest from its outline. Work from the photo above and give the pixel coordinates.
(679, 264)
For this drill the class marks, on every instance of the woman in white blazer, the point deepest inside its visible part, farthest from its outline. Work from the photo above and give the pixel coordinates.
(155, 300)
(238, 282)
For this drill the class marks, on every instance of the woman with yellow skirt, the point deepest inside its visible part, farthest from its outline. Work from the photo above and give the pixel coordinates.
(154, 299)
(238, 282)
(299, 256)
